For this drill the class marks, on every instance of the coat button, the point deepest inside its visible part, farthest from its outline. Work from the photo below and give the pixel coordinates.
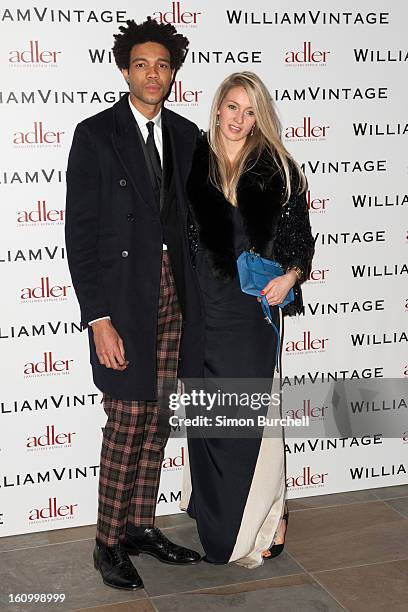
(125, 253)
(123, 182)
(130, 216)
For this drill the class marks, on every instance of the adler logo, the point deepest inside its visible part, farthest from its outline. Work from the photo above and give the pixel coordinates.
(41, 214)
(50, 439)
(316, 205)
(44, 292)
(306, 57)
(49, 366)
(307, 131)
(307, 479)
(38, 136)
(183, 97)
(176, 462)
(318, 275)
(53, 511)
(307, 344)
(34, 56)
(308, 410)
(176, 16)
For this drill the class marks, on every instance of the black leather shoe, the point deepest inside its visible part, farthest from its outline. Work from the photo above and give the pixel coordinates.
(116, 568)
(154, 543)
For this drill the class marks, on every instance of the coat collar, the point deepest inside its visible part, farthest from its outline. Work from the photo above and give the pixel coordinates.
(259, 198)
(129, 149)
(178, 141)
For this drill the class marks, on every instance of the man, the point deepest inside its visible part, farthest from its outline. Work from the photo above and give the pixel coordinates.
(127, 250)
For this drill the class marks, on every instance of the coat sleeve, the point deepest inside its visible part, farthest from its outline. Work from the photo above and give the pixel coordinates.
(294, 245)
(82, 226)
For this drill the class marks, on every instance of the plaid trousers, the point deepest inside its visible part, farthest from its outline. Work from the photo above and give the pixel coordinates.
(136, 433)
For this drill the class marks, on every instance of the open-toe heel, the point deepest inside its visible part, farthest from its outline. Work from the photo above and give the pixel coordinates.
(276, 549)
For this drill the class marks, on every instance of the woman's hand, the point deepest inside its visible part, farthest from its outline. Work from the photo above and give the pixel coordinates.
(278, 288)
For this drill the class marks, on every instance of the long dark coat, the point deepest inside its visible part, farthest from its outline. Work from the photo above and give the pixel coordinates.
(114, 238)
(276, 230)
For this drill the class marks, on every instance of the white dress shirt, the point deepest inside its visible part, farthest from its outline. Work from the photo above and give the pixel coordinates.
(157, 130)
(158, 138)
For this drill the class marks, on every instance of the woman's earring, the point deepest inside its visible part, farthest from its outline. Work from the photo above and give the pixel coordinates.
(217, 123)
(252, 131)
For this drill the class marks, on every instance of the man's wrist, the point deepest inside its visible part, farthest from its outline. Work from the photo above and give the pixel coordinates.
(107, 318)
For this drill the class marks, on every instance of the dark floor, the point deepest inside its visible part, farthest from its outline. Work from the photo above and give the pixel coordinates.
(347, 551)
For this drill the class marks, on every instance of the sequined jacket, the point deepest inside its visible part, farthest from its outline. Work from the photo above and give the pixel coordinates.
(275, 230)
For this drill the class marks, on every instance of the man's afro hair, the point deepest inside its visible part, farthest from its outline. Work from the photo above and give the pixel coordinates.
(149, 31)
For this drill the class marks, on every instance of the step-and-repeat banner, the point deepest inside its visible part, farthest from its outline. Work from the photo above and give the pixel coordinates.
(337, 72)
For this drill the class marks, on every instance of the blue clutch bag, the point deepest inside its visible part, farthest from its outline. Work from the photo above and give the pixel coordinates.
(255, 272)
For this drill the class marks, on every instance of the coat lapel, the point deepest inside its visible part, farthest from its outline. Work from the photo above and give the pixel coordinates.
(181, 141)
(181, 137)
(168, 182)
(167, 157)
(129, 150)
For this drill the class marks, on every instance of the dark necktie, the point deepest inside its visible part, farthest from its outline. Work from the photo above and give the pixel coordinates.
(154, 154)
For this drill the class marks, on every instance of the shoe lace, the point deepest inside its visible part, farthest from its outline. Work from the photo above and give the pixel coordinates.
(163, 541)
(170, 547)
(121, 558)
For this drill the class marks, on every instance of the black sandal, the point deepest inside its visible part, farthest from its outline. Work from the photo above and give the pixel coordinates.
(276, 549)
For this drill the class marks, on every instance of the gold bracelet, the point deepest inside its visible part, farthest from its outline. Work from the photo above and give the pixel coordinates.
(298, 271)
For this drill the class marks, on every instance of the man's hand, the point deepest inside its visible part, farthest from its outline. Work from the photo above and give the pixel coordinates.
(278, 288)
(109, 345)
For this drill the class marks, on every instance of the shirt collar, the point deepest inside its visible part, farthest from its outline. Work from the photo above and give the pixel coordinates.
(142, 120)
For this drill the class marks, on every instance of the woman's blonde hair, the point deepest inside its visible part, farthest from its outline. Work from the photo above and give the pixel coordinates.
(266, 136)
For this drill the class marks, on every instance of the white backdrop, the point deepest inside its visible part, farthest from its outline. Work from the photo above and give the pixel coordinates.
(338, 74)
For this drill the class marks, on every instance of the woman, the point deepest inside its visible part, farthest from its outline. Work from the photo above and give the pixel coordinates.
(245, 191)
